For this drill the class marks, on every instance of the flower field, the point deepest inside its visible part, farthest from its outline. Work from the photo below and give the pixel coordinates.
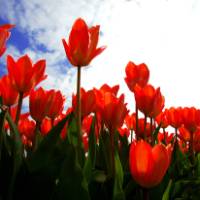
(97, 148)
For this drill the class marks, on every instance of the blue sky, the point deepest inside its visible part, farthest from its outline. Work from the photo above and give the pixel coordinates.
(162, 33)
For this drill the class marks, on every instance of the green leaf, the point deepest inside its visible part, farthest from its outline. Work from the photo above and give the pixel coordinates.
(198, 164)
(166, 195)
(17, 152)
(118, 193)
(104, 153)
(46, 152)
(71, 183)
(155, 133)
(90, 162)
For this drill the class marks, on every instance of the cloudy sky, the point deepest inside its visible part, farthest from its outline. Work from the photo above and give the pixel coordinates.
(164, 34)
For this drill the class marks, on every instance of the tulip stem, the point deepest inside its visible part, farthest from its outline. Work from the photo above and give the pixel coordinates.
(191, 148)
(151, 130)
(136, 119)
(79, 104)
(37, 135)
(19, 107)
(112, 151)
(165, 139)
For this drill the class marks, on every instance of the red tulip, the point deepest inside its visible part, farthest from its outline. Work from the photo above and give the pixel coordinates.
(174, 117)
(149, 100)
(136, 74)
(45, 126)
(165, 138)
(88, 102)
(144, 128)
(191, 118)
(56, 103)
(184, 134)
(82, 45)
(113, 111)
(148, 165)
(130, 121)
(4, 36)
(162, 120)
(27, 130)
(8, 94)
(124, 132)
(196, 140)
(39, 104)
(106, 88)
(24, 75)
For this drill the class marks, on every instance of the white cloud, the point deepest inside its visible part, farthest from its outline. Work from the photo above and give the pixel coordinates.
(162, 33)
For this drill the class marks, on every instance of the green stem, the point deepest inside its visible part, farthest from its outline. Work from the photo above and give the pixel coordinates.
(79, 104)
(19, 107)
(2, 122)
(165, 139)
(151, 130)
(191, 148)
(131, 135)
(37, 136)
(112, 152)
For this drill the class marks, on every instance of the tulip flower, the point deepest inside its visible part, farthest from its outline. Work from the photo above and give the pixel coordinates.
(4, 36)
(7, 92)
(149, 100)
(45, 126)
(39, 102)
(23, 74)
(162, 120)
(136, 74)
(88, 102)
(165, 138)
(113, 111)
(82, 45)
(56, 103)
(174, 117)
(26, 128)
(80, 50)
(191, 118)
(130, 121)
(144, 128)
(148, 165)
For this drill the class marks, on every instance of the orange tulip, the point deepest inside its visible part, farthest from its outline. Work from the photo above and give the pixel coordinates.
(7, 92)
(130, 121)
(113, 111)
(174, 117)
(149, 100)
(165, 138)
(4, 36)
(148, 165)
(82, 45)
(144, 128)
(162, 120)
(23, 74)
(136, 74)
(191, 118)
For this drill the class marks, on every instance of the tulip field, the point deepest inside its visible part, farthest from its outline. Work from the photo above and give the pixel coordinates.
(97, 148)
